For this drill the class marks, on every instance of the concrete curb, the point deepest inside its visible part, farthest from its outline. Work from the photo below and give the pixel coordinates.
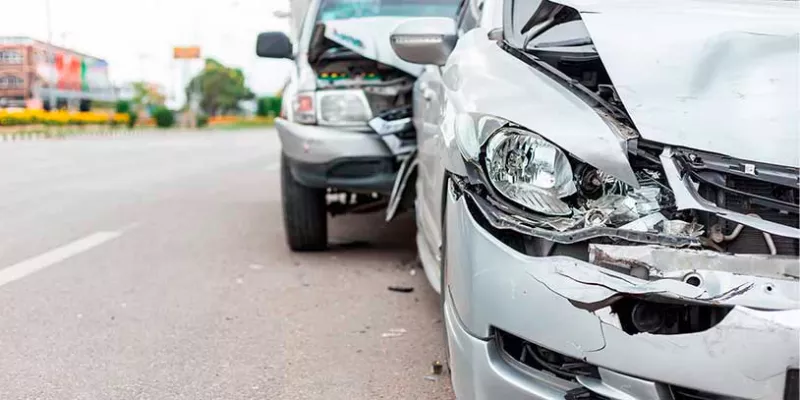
(23, 136)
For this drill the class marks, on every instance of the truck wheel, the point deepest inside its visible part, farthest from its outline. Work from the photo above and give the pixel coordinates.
(305, 217)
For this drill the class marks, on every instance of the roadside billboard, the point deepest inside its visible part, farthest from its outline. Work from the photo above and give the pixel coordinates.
(73, 73)
(94, 75)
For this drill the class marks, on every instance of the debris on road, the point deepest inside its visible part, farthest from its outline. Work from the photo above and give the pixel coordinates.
(393, 333)
(431, 378)
(256, 267)
(401, 289)
(436, 368)
(413, 272)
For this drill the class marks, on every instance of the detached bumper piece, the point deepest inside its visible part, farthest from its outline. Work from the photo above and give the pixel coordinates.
(602, 384)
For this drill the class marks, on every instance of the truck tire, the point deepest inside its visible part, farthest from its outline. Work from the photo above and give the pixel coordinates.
(305, 217)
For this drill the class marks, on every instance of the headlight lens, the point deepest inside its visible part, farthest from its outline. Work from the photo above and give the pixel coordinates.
(529, 171)
(343, 107)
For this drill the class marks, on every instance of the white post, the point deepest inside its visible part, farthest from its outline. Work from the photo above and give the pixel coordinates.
(186, 79)
(50, 44)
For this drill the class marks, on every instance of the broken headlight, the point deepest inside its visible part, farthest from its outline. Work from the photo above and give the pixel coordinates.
(529, 171)
(343, 108)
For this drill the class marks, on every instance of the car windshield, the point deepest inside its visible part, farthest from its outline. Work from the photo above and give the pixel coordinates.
(345, 9)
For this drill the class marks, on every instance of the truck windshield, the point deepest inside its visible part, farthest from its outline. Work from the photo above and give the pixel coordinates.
(344, 9)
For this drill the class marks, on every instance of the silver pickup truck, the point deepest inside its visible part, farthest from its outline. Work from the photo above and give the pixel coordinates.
(345, 128)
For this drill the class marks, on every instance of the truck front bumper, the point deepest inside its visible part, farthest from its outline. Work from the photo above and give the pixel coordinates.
(322, 157)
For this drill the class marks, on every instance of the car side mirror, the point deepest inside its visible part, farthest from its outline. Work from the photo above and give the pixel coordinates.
(274, 45)
(425, 40)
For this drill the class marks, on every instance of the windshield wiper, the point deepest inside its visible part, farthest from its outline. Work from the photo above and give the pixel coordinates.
(577, 42)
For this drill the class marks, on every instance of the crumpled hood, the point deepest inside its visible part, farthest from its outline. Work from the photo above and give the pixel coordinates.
(369, 37)
(720, 76)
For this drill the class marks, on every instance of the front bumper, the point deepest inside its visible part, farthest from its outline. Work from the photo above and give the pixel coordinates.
(493, 287)
(321, 157)
(313, 144)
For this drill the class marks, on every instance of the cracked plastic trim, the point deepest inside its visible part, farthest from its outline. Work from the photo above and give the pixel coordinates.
(664, 261)
(504, 220)
(408, 168)
(591, 288)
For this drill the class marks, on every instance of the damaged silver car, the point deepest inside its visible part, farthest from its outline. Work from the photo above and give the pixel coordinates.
(608, 196)
(345, 128)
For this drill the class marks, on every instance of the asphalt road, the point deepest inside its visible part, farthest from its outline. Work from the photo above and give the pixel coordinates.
(153, 266)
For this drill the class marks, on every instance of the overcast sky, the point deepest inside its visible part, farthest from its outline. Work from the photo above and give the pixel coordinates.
(136, 37)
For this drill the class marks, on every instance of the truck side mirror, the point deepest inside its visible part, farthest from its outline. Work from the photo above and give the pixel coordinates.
(274, 45)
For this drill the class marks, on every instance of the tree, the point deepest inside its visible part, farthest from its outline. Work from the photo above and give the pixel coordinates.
(268, 106)
(221, 88)
(148, 95)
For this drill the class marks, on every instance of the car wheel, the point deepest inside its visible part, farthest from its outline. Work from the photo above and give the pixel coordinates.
(305, 216)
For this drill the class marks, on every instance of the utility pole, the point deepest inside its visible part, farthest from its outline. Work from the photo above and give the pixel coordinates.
(52, 85)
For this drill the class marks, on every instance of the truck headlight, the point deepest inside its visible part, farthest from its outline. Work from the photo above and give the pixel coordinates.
(529, 171)
(303, 108)
(343, 108)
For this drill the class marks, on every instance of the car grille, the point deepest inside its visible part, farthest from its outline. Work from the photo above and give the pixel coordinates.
(529, 355)
(542, 359)
(771, 192)
(751, 240)
(679, 393)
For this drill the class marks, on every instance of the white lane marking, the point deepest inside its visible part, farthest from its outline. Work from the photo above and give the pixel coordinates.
(42, 261)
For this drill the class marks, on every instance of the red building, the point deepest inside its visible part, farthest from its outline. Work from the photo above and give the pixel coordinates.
(34, 74)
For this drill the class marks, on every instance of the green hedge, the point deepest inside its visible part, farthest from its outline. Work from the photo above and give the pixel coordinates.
(164, 117)
(123, 107)
(268, 106)
(202, 120)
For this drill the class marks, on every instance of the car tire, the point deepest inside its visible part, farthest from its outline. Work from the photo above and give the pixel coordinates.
(305, 217)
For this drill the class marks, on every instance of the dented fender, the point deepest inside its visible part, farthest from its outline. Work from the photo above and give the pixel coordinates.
(481, 77)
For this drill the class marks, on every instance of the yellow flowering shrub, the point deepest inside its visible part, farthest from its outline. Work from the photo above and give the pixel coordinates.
(238, 120)
(41, 117)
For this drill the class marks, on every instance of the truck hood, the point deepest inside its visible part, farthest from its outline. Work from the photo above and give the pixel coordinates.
(714, 75)
(369, 37)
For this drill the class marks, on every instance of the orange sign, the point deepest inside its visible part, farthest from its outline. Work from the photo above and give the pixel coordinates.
(183, 53)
